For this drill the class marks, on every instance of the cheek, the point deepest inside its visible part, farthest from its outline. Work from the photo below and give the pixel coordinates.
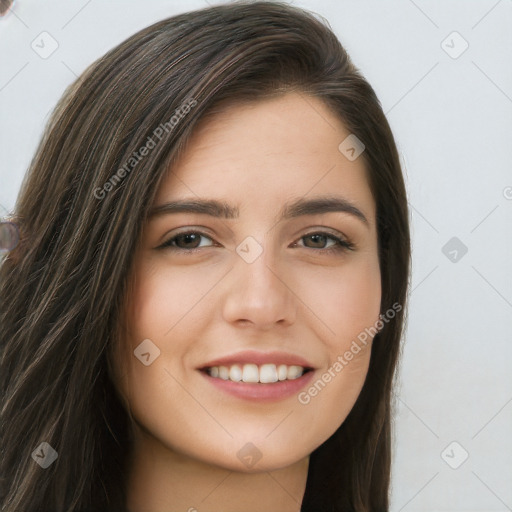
(161, 300)
(151, 314)
(348, 305)
(331, 396)
(345, 301)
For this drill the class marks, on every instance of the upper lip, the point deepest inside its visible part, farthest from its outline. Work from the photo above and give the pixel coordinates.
(258, 358)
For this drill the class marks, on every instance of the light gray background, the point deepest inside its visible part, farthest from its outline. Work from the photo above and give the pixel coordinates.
(452, 118)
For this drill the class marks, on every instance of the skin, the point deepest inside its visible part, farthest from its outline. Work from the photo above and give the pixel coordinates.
(201, 305)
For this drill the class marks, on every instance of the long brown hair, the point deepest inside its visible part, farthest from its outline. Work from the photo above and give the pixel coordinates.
(62, 289)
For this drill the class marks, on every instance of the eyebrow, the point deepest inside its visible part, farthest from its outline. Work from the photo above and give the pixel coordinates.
(221, 209)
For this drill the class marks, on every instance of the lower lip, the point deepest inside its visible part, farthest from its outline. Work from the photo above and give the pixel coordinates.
(256, 391)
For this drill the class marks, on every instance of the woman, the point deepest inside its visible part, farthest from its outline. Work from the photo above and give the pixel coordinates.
(205, 306)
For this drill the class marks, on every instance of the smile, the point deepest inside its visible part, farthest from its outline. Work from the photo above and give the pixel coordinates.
(252, 373)
(258, 376)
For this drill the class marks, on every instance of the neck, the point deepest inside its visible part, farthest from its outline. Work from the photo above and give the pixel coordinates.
(161, 479)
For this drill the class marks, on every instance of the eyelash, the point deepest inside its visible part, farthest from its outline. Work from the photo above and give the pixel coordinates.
(341, 245)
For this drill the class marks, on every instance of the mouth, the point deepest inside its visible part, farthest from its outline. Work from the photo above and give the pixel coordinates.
(252, 373)
(258, 376)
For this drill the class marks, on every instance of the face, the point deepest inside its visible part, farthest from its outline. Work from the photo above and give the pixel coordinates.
(276, 289)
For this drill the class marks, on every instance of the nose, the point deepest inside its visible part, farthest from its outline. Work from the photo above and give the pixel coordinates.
(258, 295)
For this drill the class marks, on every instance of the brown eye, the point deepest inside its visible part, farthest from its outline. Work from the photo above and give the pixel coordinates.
(319, 241)
(186, 241)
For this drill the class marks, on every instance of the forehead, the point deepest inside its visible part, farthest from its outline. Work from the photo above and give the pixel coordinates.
(268, 152)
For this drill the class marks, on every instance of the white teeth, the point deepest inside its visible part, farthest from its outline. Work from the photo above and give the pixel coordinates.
(235, 373)
(250, 373)
(294, 372)
(266, 373)
(223, 372)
